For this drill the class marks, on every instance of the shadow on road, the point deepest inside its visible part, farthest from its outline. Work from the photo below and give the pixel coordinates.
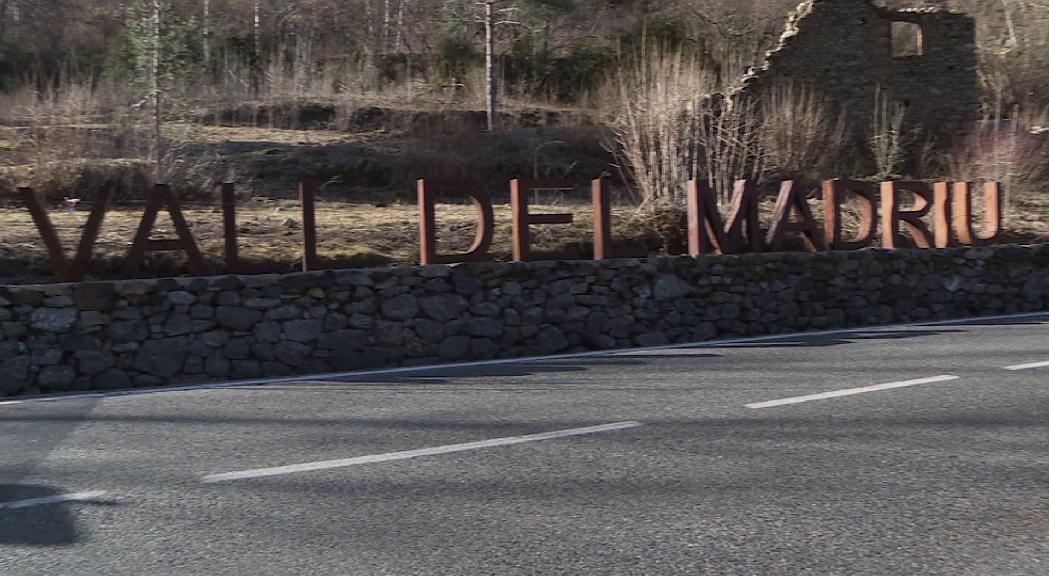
(45, 525)
(525, 367)
(918, 331)
(838, 340)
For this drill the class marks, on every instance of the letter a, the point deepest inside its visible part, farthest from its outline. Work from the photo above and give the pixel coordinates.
(163, 196)
(790, 200)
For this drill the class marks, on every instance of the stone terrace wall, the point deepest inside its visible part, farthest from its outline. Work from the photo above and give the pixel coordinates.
(148, 333)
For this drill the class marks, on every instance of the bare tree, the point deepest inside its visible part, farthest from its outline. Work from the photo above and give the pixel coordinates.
(206, 26)
(490, 24)
(158, 136)
(887, 137)
(489, 66)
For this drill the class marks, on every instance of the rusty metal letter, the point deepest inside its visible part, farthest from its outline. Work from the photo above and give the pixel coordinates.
(942, 235)
(708, 233)
(892, 214)
(307, 201)
(64, 270)
(428, 191)
(229, 227)
(962, 214)
(790, 200)
(602, 202)
(834, 194)
(164, 197)
(522, 218)
(46, 229)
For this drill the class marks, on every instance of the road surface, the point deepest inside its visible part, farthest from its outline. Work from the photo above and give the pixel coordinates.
(905, 450)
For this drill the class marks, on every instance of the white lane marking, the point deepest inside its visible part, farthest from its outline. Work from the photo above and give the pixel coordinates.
(10, 402)
(851, 391)
(1028, 366)
(522, 360)
(47, 500)
(403, 455)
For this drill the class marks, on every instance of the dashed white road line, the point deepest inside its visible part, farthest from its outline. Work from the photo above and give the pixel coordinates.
(375, 458)
(851, 391)
(1030, 366)
(58, 499)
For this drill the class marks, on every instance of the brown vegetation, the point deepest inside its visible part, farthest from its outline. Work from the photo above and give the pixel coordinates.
(636, 89)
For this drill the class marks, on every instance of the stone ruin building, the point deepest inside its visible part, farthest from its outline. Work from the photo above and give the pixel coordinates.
(922, 58)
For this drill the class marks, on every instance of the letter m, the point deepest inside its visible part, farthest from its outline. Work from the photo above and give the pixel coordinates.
(708, 233)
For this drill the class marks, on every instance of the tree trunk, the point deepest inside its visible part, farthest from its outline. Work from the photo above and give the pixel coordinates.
(1013, 41)
(157, 134)
(207, 37)
(400, 26)
(385, 25)
(16, 20)
(257, 31)
(369, 30)
(489, 64)
(256, 52)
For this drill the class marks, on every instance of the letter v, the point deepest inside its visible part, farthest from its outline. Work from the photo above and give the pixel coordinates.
(64, 270)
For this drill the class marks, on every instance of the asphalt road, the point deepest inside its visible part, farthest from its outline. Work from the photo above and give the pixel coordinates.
(690, 469)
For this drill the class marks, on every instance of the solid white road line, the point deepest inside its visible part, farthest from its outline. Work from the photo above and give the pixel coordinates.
(46, 500)
(1028, 366)
(851, 391)
(329, 464)
(10, 402)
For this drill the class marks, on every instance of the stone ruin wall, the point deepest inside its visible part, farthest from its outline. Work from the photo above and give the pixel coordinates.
(844, 48)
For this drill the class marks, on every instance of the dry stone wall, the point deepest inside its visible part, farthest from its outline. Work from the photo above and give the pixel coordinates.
(107, 335)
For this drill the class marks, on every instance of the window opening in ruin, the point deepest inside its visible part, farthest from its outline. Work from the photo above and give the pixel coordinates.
(907, 40)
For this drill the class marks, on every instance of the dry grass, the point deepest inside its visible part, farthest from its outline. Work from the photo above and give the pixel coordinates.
(362, 235)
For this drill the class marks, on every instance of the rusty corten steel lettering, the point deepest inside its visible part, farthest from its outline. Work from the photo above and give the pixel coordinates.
(790, 200)
(961, 211)
(46, 229)
(229, 227)
(865, 195)
(428, 191)
(708, 233)
(66, 271)
(602, 201)
(163, 196)
(523, 218)
(942, 235)
(307, 201)
(86, 250)
(892, 214)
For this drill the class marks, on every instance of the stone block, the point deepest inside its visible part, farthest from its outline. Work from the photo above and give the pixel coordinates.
(303, 331)
(53, 319)
(238, 318)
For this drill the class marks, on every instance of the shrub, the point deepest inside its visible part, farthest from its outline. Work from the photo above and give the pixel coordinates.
(887, 138)
(801, 136)
(658, 108)
(1007, 150)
